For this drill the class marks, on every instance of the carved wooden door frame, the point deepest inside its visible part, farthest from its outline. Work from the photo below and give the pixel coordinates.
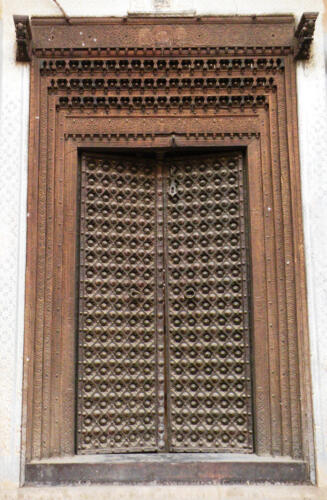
(137, 83)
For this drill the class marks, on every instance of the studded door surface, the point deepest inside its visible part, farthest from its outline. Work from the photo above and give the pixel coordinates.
(163, 306)
(209, 395)
(118, 376)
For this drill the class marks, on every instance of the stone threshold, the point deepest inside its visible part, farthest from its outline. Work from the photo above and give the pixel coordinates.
(175, 468)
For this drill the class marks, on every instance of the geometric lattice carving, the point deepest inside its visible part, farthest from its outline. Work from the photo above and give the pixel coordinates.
(122, 367)
(208, 306)
(117, 354)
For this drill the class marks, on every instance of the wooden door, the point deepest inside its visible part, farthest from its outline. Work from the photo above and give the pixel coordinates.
(164, 355)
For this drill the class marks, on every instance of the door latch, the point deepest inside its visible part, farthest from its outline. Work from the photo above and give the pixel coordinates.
(172, 182)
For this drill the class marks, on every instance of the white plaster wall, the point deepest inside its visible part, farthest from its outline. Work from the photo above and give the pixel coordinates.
(14, 95)
(13, 164)
(313, 153)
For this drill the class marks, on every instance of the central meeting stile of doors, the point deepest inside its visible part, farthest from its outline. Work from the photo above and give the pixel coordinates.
(164, 296)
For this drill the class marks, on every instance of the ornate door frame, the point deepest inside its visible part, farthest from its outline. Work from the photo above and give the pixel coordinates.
(162, 83)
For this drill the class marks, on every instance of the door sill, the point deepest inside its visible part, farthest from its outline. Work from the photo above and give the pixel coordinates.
(172, 468)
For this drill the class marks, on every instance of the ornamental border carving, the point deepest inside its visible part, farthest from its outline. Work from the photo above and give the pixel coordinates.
(172, 137)
(231, 96)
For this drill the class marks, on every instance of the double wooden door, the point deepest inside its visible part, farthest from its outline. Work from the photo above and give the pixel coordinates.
(163, 330)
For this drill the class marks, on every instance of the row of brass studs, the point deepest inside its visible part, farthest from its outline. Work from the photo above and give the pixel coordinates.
(160, 308)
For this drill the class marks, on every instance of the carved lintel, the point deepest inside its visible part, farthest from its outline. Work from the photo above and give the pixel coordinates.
(304, 35)
(23, 38)
(172, 136)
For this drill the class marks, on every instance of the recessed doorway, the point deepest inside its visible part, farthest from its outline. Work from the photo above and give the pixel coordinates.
(164, 355)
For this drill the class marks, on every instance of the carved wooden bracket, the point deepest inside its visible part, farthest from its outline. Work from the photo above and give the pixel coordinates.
(304, 35)
(23, 38)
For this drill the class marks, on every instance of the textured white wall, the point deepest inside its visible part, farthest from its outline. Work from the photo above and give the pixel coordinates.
(14, 95)
(313, 153)
(13, 165)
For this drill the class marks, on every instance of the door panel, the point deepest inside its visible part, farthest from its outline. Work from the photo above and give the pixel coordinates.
(117, 396)
(207, 305)
(163, 305)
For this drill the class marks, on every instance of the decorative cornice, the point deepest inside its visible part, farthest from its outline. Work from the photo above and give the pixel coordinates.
(173, 136)
(162, 66)
(161, 36)
(304, 35)
(70, 40)
(165, 102)
(23, 38)
(218, 51)
(138, 85)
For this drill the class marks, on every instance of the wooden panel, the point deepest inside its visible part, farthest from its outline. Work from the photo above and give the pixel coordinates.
(118, 369)
(209, 394)
(185, 231)
(166, 35)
